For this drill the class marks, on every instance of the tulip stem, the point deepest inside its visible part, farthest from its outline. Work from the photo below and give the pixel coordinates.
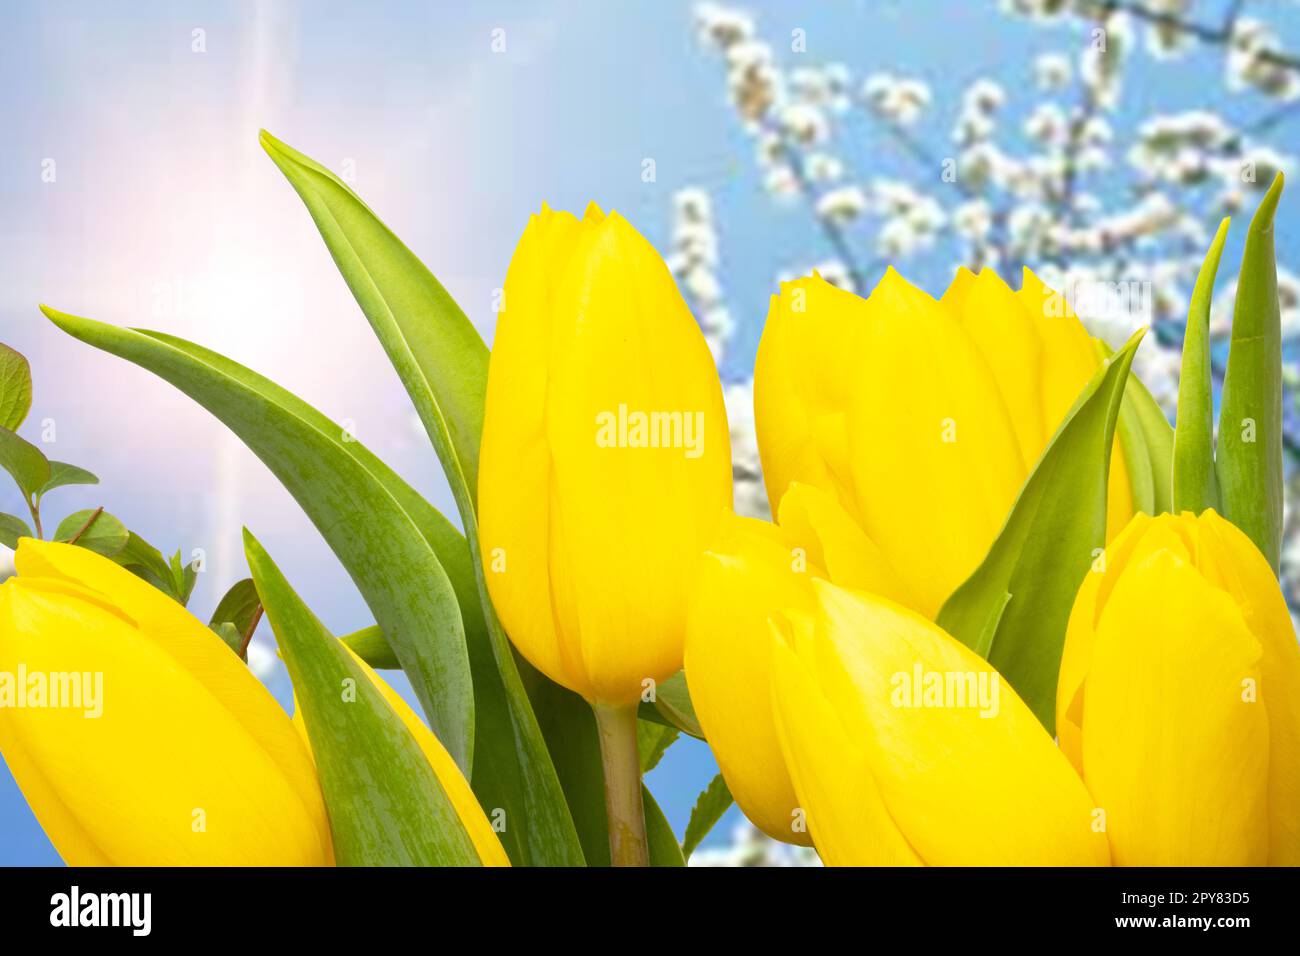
(622, 764)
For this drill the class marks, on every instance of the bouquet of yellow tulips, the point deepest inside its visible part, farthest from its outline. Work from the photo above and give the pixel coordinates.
(1004, 613)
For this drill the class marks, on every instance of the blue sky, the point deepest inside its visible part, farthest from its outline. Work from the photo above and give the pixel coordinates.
(165, 213)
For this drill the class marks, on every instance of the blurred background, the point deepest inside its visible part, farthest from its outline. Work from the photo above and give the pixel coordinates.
(1097, 142)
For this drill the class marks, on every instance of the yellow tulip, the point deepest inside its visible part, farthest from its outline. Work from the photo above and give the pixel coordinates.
(922, 417)
(905, 747)
(1179, 697)
(457, 788)
(184, 759)
(753, 570)
(605, 461)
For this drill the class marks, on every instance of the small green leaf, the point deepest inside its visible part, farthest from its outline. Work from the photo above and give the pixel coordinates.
(1196, 487)
(1249, 461)
(95, 530)
(672, 707)
(183, 577)
(15, 388)
(25, 462)
(1051, 537)
(61, 473)
(239, 606)
(710, 806)
(11, 529)
(386, 805)
(145, 561)
(652, 742)
(230, 636)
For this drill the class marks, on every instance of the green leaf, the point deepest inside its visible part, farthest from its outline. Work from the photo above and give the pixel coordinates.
(442, 362)
(1147, 440)
(95, 530)
(145, 561)
(710, 806)
(61, 473)
(672, 707)
(230, 636)
(1054, 532)
(390, 559)
(438, 355)
(1195, 486)
(25, 462)
(11, 529)
(652, 742)
(183, 576)
(1249, 462)
(386, 805)
(239, 606)
(512, 768)
(15, 388)
(371, 646)
(1157, 438)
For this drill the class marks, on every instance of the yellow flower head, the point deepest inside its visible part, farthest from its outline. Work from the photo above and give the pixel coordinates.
(605, 461)
(188, 759)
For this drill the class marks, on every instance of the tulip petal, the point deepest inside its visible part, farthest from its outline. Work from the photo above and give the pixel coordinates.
(631, 507)
(969, 782)
(750, 573)
(1246, 575)
(166, 774)
(935, 474)
(1008, 338)
(812, 519)
(193, 646)
(1172, 751)
(849, 822)
(805, 372)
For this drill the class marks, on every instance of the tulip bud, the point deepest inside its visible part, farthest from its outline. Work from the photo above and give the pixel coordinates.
(1179, 697)
(906, 748)
(922, 417)
(605, 461)
(752, 571)
(186, 759)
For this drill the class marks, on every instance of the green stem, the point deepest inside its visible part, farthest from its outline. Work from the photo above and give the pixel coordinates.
(618, 754)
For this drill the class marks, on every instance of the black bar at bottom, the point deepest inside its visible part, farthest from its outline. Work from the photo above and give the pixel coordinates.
(333, 906)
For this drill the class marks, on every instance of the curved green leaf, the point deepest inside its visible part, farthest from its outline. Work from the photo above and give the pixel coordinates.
(239, 606)
(439, 356)
(1157, 438)
(512, 769)
(1017, 602)
(25, 462)
(381, 546)
(11, 529)
(386, 805)
(1249, 461)
(61, 474)
(15, 388)
(95, 530)
(1196, 487)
